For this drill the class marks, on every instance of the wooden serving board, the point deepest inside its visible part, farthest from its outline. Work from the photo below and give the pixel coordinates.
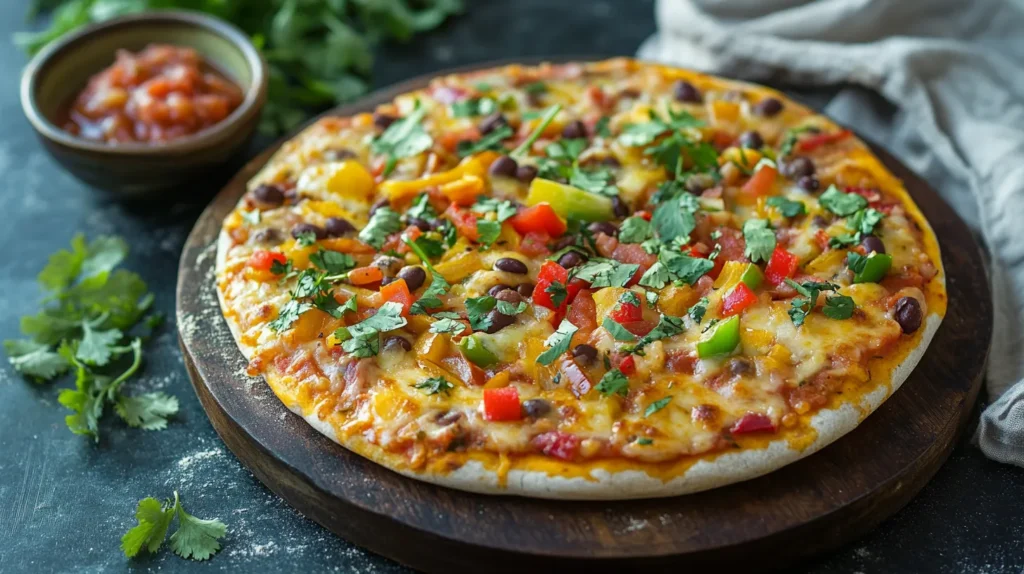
(816, 504)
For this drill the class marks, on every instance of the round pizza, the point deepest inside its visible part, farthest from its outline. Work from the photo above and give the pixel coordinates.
(589, 280)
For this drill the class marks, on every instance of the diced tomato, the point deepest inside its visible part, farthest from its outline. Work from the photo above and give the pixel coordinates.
(262, 259)
(646, 215)
(680, 362)
(761, 182)
(872, 195)
(814, 142)
(573, 289)
(539, 218)
(535, 244)
(633, 253)
(733, 245)
(751, 423)
(626, 312)
(692, 251)
(628, 365)
(502, 404)
(365, 275)
(464, 221)
(583, 312)
(737, 300)
(781, 266)
(550, 272)
(558, 444)
(398, 292)
(639, 328)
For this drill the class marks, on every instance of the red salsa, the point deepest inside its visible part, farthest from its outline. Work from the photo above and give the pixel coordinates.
(157, 95)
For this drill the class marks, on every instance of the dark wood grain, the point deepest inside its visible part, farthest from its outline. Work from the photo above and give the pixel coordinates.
(808, 507)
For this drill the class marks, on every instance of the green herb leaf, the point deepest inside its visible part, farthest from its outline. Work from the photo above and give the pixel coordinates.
(546, 119)
(617, 331)
(97, 346)
(474, 107)
(503, 208)
(865, 220)
(383, 223)
(333, 262)
(151, 530)
(787, 207)
(364, 336)
(490, 141)
(487, 232)
(447, 325)
(506, 308)
(558, 342)
(841, 204)
(657, 406)
(838, 307)
(431, 295)
(288, 314)
(35, 360)
(306, 238)
(558, 293)
(477, 309)
(684, 267)
(698, 310)
(404, 138)
(435, 385)
(667, 326)
(674, 218)
(844, 240)
(613, 383)
(601, 272)
(195, 538)
(760, 240)
(601, 127)
(148, 411)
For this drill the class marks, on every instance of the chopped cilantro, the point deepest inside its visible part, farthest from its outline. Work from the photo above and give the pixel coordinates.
(698, 310)
(667, 326)
(558, 293)
(657, 406)
(535, 88)
(838, 307)
(503, 209)
(487, 232)
(477, 309)
(787, 207)
(306, 238)
(383, 223)
(865, 220)
(333, 262)
(635, 230)
(404, 138)
(674, 217)
(760, 240)
(363, 338)
(644, 441)
(844, 240)
(288, 314)
(652, 299)
(491, 141)
(617, 331)
(558, 342)
(613, 383)
(431, 295)
(510, 309)
(474, 107)
(601, 272)
(841, 204)
(435, 385)
(421, 208)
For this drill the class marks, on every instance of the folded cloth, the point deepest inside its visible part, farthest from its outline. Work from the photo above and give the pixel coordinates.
(953, 72)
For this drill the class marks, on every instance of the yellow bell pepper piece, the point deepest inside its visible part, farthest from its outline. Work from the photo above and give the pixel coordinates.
(745, 158)
(397, 190)
(570, 202)
(460, 266)
(605, 299)
(464, 190)
(350, 179)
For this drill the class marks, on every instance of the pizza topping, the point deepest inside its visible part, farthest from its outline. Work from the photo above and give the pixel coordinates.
(868, 269)
(684, 91)
(907, 313)
(721, 340)
(502, 404)
(872, 244)
(403, 138)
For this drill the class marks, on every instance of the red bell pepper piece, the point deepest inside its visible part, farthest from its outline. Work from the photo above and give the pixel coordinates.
(262, 259)
(502, 404)
(464, 221)
(751, 423)
(626, 313)
(628, 365)
(539, 218)
(737, 300)
(557, 444)
(398, 292)
(550, 272)
(781, 265)
(814, 142)
(646, 215)
(761, 182)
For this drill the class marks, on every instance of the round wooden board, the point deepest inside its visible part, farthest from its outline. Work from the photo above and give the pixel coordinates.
(816, 504)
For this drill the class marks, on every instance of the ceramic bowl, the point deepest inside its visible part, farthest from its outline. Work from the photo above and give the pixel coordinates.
(135, 170)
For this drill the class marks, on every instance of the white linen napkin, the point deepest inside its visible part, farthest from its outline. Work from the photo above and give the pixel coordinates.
(953, 71)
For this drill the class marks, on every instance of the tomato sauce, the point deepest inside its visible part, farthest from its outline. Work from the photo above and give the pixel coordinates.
(157, 95)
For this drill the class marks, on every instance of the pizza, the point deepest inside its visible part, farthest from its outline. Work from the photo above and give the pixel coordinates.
(598, 280)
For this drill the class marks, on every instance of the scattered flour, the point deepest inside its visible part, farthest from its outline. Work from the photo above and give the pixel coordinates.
(635, 525)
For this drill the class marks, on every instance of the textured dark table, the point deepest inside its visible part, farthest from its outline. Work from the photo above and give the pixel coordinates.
(64, 502)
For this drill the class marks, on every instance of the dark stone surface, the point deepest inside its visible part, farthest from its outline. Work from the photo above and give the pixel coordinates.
(64, 502)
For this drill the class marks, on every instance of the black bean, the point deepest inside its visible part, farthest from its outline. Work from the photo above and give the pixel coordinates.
(585, 354)
(396, 343)
(511, 266)
(339, 154)
(302, 228)
(422, 224)
(908, 314)
(336, 226)
(872, 243)
(499, 321)
(698, 182)
(509, 296)
(798, 167)
(739, 366)
(571, 259)
(751, 140)
(379, 204)
(563, 242)
(268, 194)
(525, 289)
(414, 276)
(606, 227)
(491, 123)
(574, 130)
(504, 166)
(619, 207)
(768, 107)
(493, 291)
(684, 91)
(526, 173)
(389, 264)
(809, 183)
(382, 120)
(536, 408)
(268, 235)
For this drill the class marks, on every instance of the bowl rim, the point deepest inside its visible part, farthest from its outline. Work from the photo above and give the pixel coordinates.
(252, 103)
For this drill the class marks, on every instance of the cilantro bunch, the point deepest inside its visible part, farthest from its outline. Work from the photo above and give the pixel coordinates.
(85, 325)
(320, 52)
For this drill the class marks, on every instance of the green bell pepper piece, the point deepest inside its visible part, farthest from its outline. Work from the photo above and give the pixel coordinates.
(570, 202)
(752, 276)
(722, 340)
(875, 268)
(474, 350)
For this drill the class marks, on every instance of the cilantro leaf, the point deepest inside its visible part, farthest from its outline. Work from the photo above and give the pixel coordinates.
(363, 339)
(684, 267)
(148, 411)
(601, 127)
(558, 293)
(431, 295)
(195, 538)
(865, 220)
(506, 308)
(96, 346)
(657, 406)
(760, 240)
(838, 307)
(448, 325)
(421, 208)
(674, 218)
(841, 204)
(617, 331)
(786, 206)
(473, 107)
(613, 383)
(487, 232)
(698, 310)
(652, 299)
(856, 262)
(569, 149)
(558, 342)
(844, 240)
(477, 309)
(306, 238)
(151, 530)
(101, 255)
(333, 262)
(35, 360)
(667, 326)
(657, 277)
(288, 314)
(403, 138)
(491, 141)
(435, 385)
(278, 268)
(635, 230)
(383, 223)
(601, 272)
(504, 209)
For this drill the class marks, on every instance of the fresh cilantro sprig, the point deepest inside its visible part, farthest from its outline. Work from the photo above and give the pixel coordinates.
(673, 266)
(86, 326)
(195, 538)
(760, 240)
(841, 203)
(384, 222)
(363, 339)
(836, 306)
(558, 342)
(614, 382)
(403, 138)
